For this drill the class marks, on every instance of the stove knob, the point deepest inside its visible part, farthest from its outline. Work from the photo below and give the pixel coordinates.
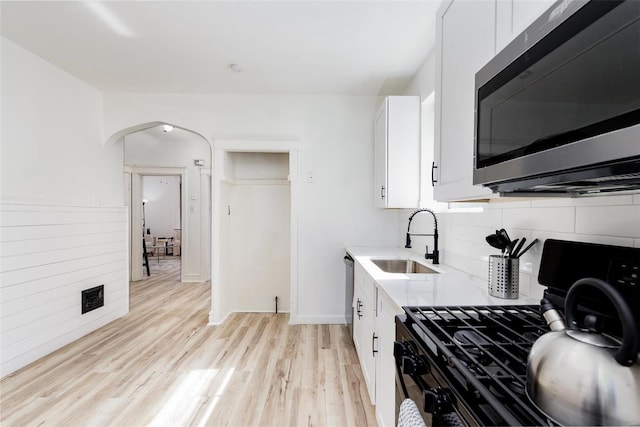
(414, 365)
(401, 349)
(438, 400)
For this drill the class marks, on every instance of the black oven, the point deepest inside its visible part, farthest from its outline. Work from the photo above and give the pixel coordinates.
(558, 110)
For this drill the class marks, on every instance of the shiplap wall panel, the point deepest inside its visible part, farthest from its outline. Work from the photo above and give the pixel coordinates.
(44, 304)
(26, 233)
(35, 287)
(48, 255)
(62, 313)
(35, 246)
(17, 277)
(42, 259)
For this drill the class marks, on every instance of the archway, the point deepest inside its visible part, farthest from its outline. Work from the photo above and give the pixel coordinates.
(150, 151)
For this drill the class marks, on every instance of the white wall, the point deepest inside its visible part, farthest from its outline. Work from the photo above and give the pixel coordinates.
(142, 150)
(51, 136)
(336, 134)
(63, 220)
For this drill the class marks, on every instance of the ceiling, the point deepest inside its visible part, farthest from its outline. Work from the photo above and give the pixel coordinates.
(354, 47)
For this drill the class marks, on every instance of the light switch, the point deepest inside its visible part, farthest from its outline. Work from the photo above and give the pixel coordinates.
(194, 196)
(311, 177)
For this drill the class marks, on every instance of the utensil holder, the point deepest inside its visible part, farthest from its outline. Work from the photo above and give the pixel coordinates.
(504, 277)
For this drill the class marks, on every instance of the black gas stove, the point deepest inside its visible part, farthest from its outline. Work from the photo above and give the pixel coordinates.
(466, 365)
(471, 360)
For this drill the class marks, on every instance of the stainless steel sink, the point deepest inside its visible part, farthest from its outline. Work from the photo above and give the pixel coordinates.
(402, 266)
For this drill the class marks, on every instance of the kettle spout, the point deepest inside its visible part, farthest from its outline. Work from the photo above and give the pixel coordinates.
(552, 316)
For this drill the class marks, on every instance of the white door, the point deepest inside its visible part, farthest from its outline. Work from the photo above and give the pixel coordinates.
(260, 247)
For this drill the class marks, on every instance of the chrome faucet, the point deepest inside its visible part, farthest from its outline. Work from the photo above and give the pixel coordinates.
(435, 255)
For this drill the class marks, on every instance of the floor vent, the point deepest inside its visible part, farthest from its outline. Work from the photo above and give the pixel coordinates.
(92, 298)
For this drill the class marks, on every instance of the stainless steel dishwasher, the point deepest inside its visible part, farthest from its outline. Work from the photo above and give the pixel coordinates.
(348, 261)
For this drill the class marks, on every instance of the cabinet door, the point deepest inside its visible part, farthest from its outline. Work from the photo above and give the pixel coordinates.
(397, 153)
(380, 157)
(464, 43)
(514, 16)
(363, 327)
(385, 362)
(358, 300)
(368, 359)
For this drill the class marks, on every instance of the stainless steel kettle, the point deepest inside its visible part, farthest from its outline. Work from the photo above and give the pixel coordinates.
(577, 377)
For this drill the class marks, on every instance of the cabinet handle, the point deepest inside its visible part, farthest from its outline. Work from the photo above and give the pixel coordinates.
(382, 192)
(433, 176)
(358, 307)
(373, 345)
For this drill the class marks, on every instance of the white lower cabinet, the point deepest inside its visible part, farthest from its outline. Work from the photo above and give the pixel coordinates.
(385, 362)
(364, 294)
(373, 336)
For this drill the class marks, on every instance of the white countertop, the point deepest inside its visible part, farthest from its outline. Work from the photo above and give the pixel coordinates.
(449, 287)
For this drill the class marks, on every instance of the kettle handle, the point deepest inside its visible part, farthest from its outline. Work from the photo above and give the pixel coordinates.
(628, 351)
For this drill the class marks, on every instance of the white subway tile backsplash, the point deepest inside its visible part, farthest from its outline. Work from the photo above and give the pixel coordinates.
(525, 284)
(588, 238)
(486, 218)
(552, 202)
(552, 219)
(620, 221)
(611, 220)
(500, 204)
(537, 291)
(625, 199)
(583, 201)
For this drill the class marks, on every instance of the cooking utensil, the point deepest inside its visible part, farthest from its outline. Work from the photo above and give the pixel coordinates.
(514, 254)
(504, 239)
(504, 233)
(496, 242)
(520, 253)
(512, 245)
(578, 377)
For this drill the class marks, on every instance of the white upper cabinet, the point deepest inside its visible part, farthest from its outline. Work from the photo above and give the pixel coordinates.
(465, 41)
(397, 153)
(514, 16)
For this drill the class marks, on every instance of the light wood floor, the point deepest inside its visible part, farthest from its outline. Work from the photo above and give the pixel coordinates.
(162, 365)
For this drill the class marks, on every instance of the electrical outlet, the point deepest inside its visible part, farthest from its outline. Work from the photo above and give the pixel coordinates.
(311, 177)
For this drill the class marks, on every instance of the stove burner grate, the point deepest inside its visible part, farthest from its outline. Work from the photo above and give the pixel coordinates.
(486, 347)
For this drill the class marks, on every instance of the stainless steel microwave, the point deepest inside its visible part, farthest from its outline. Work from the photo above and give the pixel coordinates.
(558, 110)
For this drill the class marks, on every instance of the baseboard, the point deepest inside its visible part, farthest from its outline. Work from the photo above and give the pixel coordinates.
(214, 323)
(192, 278)
(322, 320)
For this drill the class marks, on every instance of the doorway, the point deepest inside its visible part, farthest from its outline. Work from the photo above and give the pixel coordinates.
(256, 224)
(234, 186)
(156, 160)
(161, 219)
